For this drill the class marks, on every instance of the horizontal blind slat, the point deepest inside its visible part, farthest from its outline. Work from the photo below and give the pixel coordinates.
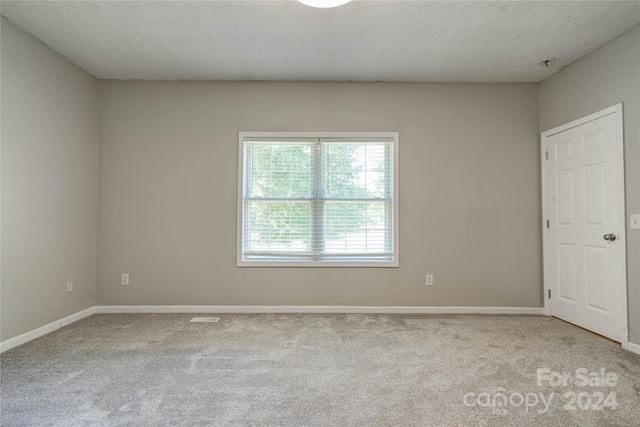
(288, 213)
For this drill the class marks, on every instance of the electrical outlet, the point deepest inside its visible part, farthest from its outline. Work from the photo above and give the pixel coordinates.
(125, 279)
(429, 279)
(635, 222)
(69, 286)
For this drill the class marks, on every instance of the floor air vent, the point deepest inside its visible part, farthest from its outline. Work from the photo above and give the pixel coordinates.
(205, 319)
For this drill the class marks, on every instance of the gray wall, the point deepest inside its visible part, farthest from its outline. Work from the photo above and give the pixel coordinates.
(49, 148)
(469, 192)
(606, 77)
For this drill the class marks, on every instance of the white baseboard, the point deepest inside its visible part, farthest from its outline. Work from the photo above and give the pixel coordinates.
(43, 330)
(31, 335)
(312, 309)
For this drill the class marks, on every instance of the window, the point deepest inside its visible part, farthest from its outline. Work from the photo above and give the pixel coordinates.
(318, 199)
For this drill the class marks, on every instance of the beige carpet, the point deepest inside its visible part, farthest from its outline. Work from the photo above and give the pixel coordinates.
(319, 370)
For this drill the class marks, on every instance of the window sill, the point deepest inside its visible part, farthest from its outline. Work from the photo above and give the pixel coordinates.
(327, 264)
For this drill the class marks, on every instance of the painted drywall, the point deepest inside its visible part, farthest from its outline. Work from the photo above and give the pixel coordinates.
(49, 200)
(469, 192)
(606, 77)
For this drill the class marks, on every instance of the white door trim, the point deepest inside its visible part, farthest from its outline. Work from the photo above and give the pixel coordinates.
(544, 136)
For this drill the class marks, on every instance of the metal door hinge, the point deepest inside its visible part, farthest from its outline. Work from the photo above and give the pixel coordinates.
(546, 155)
(547, 223)
(549, 293)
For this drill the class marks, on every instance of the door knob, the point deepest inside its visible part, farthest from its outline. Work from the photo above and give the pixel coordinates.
(610, 237)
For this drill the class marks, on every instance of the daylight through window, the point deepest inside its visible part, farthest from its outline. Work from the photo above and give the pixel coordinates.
(318, 199)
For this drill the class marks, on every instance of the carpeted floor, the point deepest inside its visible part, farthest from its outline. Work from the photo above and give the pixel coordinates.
(319, 370)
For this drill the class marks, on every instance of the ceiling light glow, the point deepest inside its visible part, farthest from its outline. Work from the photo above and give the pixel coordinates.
(324, 3)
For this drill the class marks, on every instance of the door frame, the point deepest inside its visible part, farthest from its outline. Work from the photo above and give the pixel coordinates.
(544, 136)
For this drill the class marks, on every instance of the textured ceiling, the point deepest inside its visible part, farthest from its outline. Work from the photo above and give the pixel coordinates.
(395, 41)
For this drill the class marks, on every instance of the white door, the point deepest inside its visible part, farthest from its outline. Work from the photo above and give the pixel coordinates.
(585, 235)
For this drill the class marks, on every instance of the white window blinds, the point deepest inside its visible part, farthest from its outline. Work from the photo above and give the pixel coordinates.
(318, 200)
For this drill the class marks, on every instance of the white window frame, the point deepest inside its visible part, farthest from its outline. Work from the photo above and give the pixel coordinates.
(395, 262)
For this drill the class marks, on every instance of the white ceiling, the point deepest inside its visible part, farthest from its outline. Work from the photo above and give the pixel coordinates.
(395, 41)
